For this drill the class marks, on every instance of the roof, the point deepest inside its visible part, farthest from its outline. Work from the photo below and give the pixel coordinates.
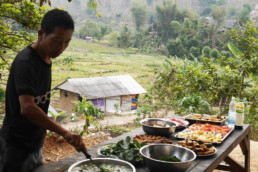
(102, 87)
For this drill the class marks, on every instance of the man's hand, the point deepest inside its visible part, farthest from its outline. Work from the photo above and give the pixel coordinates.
(76, 141)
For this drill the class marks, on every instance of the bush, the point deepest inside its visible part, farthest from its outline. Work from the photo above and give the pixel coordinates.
(226, 54)
(175, 48)
(195, 51)
(206, 51)
(111, 39)
(214, 53)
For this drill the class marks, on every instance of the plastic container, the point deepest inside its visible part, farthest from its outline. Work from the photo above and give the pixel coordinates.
(240, 110)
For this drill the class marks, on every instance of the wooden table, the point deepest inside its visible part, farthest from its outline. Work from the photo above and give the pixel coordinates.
(237, 137)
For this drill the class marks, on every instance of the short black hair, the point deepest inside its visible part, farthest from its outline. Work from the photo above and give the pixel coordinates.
(56, 18)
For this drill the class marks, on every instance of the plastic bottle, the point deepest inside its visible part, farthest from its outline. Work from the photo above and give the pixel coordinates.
(240, 109)
(232, 113)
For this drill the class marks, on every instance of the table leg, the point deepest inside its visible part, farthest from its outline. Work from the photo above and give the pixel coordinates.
(245, 147)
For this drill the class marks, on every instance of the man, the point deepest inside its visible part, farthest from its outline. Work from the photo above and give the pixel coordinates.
(28, 96)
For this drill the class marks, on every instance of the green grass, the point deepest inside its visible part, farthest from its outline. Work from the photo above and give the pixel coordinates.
(96, 60)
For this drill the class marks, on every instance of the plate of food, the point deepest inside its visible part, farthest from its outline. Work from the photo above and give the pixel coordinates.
(206, 133)
(151, 139)
(180, 121)
(204, 118)
(200, 148)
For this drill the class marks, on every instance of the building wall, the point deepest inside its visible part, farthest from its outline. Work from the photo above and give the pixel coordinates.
(126, 103)
(110, 104)
(65, 100)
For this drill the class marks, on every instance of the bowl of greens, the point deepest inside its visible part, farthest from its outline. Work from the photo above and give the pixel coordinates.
(102, 165)
(124, 149)
(167, 157)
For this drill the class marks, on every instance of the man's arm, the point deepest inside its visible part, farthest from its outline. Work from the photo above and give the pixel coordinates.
(35, 115)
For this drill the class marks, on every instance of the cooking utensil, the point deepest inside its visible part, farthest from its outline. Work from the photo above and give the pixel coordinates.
(98, 161)
(152, 153)
(149, 127)
(88, 156)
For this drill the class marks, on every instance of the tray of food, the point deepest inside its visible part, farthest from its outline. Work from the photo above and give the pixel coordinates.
(204, 118)
(205, 132)
(199, 147)
(151, 139)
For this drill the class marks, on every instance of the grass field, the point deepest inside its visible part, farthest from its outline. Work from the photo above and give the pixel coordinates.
(96, 60)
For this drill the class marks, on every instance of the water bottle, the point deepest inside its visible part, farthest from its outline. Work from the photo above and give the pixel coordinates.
(232, 113)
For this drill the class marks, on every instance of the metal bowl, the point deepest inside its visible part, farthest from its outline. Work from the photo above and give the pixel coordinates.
(147, 126)
(103, 160)
(151, 154)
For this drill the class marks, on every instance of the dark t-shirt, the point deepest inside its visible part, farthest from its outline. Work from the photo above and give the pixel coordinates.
(29, 75)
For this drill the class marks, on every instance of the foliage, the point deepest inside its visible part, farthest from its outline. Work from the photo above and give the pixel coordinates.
(68, 61)
(2, 95)
(139, 13)
(145, 111)
(206, 51)
(195, 51)
(18, 22)
(56, 117)
(93, 29)
(246, 53)
(175, 48)
(112, 39)
(215, 84)
(124, 38)
(232, 12)
(244, 16)
(88, 110)
(167, 13)
(193, 104)
(124, 149)
(214, 53)
(118, 130)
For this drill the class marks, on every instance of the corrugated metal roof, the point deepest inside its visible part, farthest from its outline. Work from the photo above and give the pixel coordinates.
(101, 87)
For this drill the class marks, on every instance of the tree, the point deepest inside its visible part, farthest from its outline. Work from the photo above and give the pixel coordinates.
(139, 12)
(175, 28)
(167, 13)
(175, 48)
(254, 15)
(68, 61)
(244, 16)
(232, 12)
(90, 29)
(88, 110)
(124, 38)
(218, 13)
(214, 53)
(245, 52)
(206, 51)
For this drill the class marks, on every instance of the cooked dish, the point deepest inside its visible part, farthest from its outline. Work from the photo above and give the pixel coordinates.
(199, 147)
(103, 167)
(150, 139)
(206, 117)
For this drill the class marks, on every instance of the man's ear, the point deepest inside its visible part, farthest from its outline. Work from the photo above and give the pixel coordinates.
(41, 34)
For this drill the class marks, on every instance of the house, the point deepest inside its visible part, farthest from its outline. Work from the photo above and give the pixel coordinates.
(109, 94)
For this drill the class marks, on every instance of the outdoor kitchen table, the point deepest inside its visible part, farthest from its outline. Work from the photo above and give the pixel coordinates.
(237, 137)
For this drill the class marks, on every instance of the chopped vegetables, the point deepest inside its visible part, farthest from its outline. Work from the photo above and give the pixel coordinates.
(170, 159)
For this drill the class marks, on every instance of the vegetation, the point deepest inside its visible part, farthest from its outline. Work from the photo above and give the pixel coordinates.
(88, 110)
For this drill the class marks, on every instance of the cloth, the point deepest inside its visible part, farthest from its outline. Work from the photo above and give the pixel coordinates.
(29, 75)
(13, 159)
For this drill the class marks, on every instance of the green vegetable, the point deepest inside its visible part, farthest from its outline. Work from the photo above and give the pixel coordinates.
(124, 149)
(170, 159)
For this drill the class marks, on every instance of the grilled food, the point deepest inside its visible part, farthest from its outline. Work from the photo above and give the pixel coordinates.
(199, 147)
(150, 139)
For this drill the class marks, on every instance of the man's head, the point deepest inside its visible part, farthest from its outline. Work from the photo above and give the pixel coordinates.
(56, 32)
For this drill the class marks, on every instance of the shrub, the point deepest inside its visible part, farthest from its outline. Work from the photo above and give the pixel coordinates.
(214, 53)
(206, 51)
(226, 54)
